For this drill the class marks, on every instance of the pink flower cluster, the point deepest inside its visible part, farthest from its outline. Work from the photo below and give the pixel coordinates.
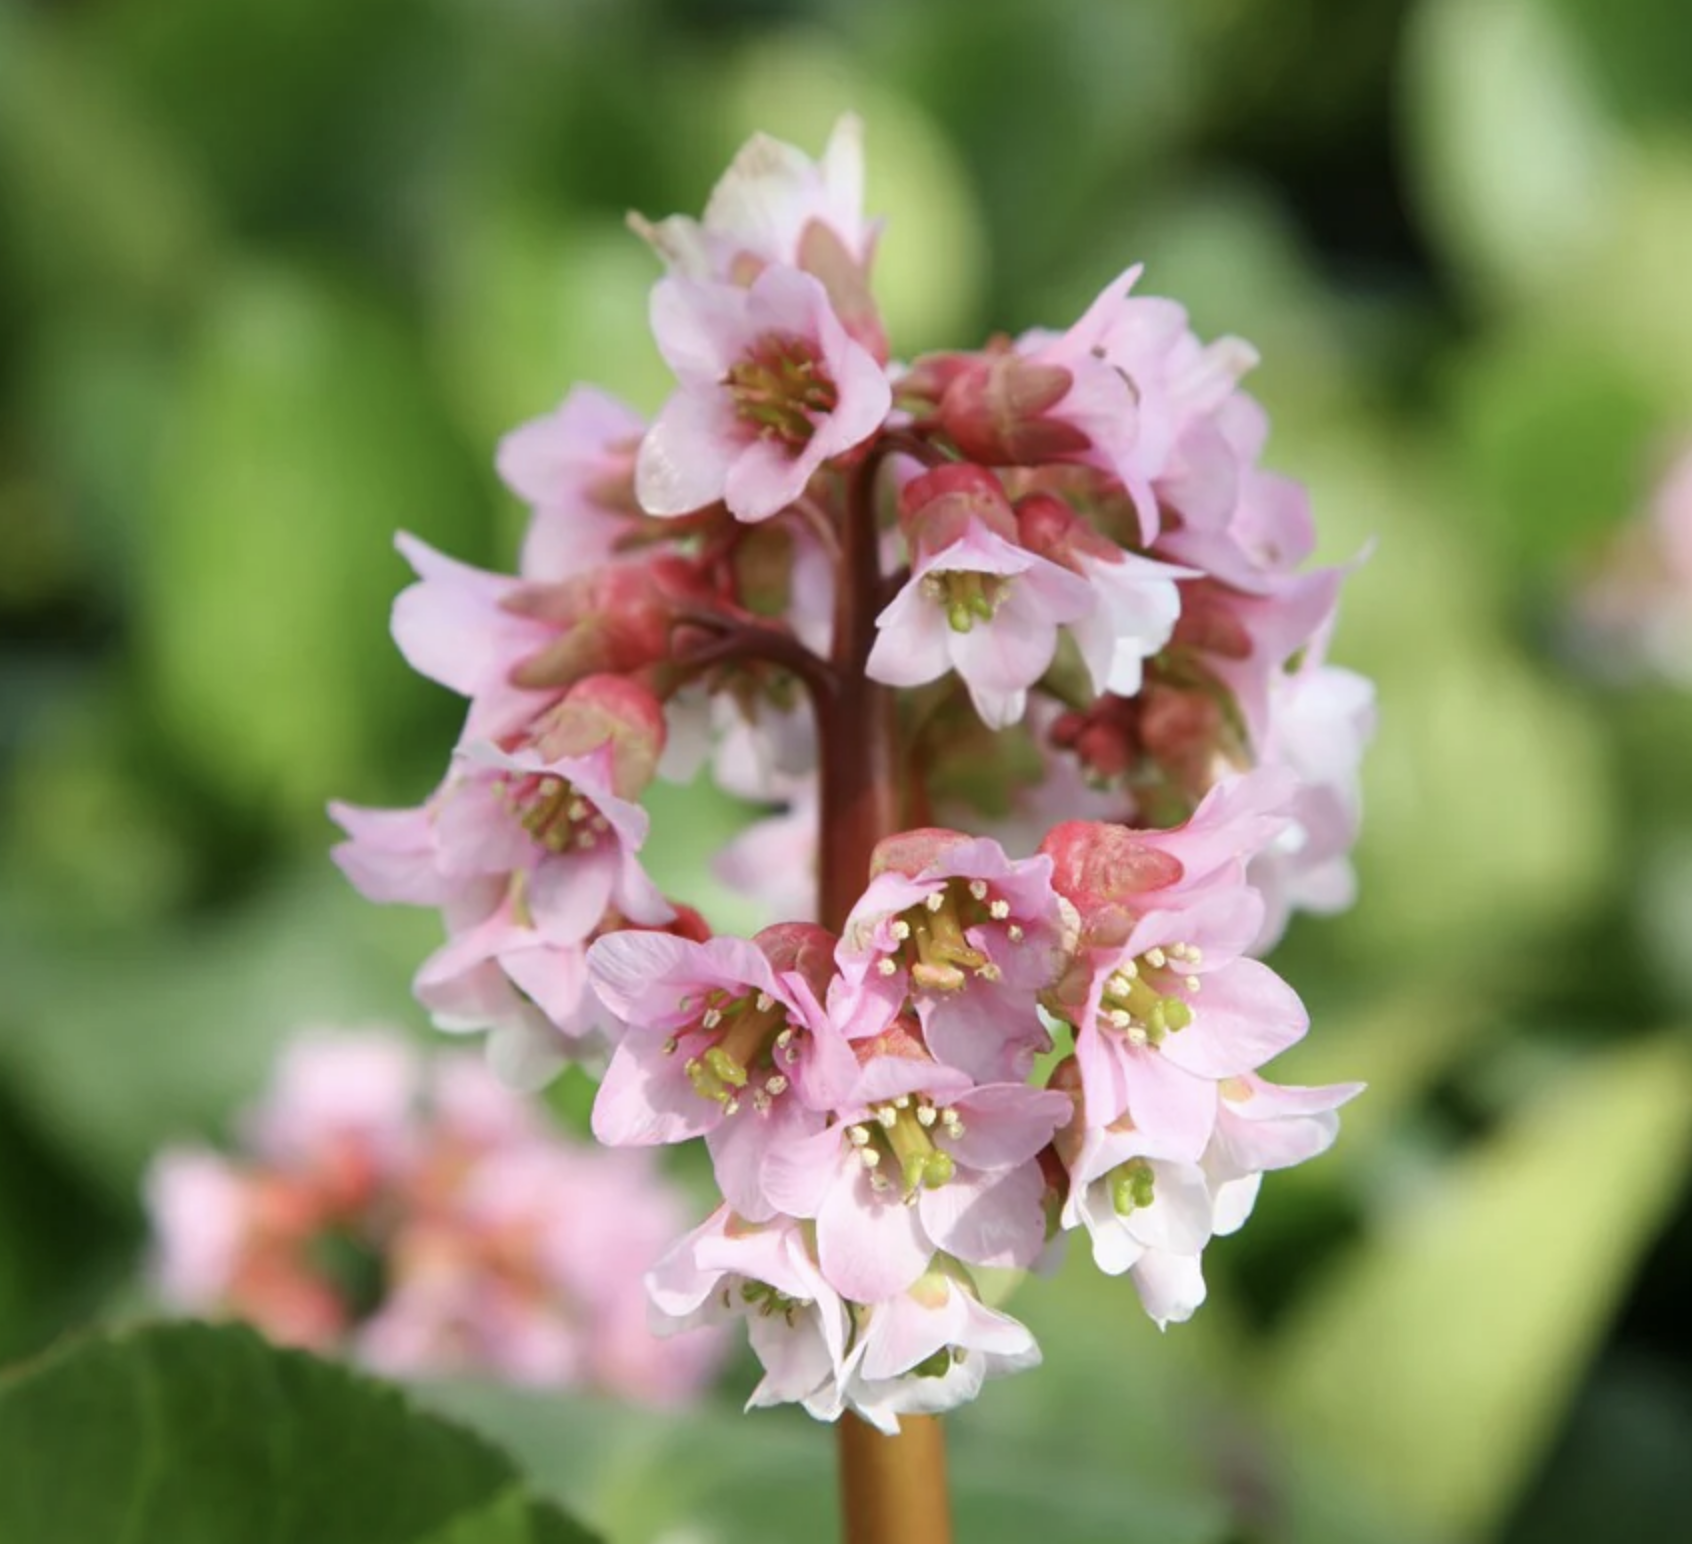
(421, 1217)
(1032, 1024)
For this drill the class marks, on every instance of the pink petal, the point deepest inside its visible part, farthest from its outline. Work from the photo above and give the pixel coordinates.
(1006, 1124)
(870, 1249)
(685, 457)
(999, 1220)
(1244, 1016)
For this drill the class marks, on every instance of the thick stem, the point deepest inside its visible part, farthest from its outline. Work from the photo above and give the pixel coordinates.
(893, 1489)
(860, 790)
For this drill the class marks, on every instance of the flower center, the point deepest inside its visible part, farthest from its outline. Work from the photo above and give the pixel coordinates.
(901, 1132)
(551, 810)
(751, 1041)
(931, 940)
(761, 1298)
(1140, 996)
(966, 597)
(1133, 1185)
(780, 389)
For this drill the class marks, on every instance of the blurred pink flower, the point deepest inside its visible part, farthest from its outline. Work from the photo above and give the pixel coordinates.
(422, 1217)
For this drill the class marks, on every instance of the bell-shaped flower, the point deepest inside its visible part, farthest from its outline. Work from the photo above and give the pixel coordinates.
(1148, 1217)
(982, 606)
(967, 935)
(770, 387)
(725, 1039)
(921, 1160)
(799, 1326)
(930, 1349)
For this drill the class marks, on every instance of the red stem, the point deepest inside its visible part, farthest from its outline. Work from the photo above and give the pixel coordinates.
(893, 1489)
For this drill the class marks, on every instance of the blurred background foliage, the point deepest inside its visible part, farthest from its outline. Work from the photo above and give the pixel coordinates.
(273, 278)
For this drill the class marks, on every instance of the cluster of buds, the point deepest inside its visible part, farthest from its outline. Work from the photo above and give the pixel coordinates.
(421, 1217)
(1043, 1016)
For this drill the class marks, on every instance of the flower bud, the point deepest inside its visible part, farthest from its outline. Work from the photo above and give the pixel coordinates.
(1102, 869)
(996, 411)
(911, 852)
(801, 947)
(606, 710)
(615, 619)
(938, 508)
(1050, 527)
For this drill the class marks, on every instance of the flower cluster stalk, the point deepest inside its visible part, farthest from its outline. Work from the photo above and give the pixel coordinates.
(892, 1488)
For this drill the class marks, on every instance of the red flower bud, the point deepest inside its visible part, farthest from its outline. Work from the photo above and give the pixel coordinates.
(936, 508)
(996, 412)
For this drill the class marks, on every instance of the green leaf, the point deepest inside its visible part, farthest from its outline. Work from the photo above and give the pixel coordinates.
(304, 435)
(1512, 157)
(90, 196)
(1434, 1362)
(193, 1434)
(178, 1027)
(1556, 438)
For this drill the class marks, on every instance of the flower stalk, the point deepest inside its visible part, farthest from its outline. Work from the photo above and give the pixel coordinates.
(892, 1488)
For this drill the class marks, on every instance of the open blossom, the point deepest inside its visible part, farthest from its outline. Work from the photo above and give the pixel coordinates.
(798, 1324)
(984, 607)
(774, 205)
(921, 1160)
(930, 1349)
(423, 1219)
(964, 933)
(770, 387)
(726, 1039)
(556, 822)
(922, 1351)
(1044, 592)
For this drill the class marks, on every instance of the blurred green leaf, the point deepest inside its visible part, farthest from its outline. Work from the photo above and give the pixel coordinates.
(1619, 1471)
(527, 303)
(304, 434)
(189, 1434)
(176, 1028)
(1433, 1362)
(91, 199)
(276, 104)
(1637, 52)
(1555, 438)
(1513, 160)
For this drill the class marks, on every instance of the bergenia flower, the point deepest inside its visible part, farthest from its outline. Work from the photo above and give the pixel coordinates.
(930, 1349)
(770, 388)
(800, 1327)
(983, 607)
(423, 1219)
(726, 1039)
(995, 1048)
(964, 933)
(921, 1161)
